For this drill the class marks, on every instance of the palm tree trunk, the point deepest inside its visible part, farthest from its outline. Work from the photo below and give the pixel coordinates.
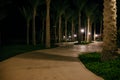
(94, 32)
(48, 24)
(79, 27)
(110, 30)
(101, 28)
(27, 35)
(42, 37)
(59, 32)
(65, 29)
(55, 32)
(88, 29)
(73, 39)
(90, 35)
(33, 27)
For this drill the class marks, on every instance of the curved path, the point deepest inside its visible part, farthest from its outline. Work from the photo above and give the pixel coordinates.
(49, 64)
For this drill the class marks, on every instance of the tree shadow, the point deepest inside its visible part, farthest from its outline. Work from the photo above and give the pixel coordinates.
(46, 56)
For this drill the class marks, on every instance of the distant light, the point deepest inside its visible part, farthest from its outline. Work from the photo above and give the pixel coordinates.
(82, 30)
(89, 33)
(75, 35)
(63, 36)
(96, 35)
(69, 36)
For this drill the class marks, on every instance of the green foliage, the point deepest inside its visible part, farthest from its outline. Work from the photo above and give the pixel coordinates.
(12, 50)
(109, 70)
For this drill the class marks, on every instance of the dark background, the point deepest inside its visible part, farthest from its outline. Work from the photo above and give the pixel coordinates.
(13, 25)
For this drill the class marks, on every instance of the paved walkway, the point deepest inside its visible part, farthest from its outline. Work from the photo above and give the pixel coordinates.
(49, 64)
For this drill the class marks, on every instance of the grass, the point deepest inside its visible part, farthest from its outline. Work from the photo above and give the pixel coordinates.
(109, 70)
(12, 50)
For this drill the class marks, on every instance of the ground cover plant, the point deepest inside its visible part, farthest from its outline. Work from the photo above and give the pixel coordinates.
(109, 70)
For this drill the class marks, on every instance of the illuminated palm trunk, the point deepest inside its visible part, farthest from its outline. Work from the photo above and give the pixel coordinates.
(110, 30)
(94, 32)
(48, 24)
(88, 29)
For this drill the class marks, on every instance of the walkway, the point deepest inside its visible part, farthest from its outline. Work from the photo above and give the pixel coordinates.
(49, 64)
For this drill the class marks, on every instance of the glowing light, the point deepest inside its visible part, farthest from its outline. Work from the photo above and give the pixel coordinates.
(82, 30)
(63, 36)
(75, 35)
(96, 35)
(89, 33)
(69, 36)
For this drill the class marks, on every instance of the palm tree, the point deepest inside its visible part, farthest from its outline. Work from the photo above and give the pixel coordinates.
(48, 24)
(73, 28)
(60, 7)
(110, 30)
(89, 11)
(34, 4)
(67, 15)
(28, 16)
(43, 27)
(80, 5)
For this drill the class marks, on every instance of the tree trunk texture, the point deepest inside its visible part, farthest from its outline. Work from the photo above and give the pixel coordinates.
(42, 35)
(86, 32)
(94, 32)
(101, 29)
(48, 24)
(73, 38)
(55, 32)
(79, 28)
(33, 28)
(27, 35)
(88, 29)
(59, 32)
(66, 30)
(110, 30)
